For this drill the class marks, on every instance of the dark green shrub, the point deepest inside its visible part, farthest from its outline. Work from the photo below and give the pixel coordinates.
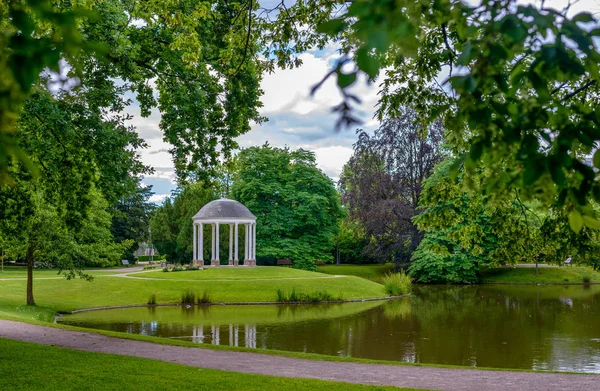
(152, 300)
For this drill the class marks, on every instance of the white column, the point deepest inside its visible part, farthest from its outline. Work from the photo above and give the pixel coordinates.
(212, 247)
(254, 245)
(194, 240)
(230, 244)
(246, 244)
(251, 241)
(201, 244)
(236, 260)
(217, 243)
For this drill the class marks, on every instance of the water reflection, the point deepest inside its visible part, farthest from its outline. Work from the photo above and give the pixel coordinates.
(552, 328)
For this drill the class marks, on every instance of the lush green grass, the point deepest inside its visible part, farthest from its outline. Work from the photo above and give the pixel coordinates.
(370, 272)
(64, 296)
(44, 273)
(547, 275)
(40, 367)
(228, 273)
(397, 284)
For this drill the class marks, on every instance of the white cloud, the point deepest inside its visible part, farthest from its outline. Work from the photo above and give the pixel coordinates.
(158, 198)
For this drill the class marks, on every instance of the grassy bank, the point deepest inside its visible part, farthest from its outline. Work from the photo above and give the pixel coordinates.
(547, 275)
(249, 285)
(52, 368)
(370, 272)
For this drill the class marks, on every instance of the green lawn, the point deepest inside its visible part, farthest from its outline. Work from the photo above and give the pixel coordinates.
(44, 273)
(228, 273)
(549, 275)
(261, 286)
(40, 367)
(370, 272)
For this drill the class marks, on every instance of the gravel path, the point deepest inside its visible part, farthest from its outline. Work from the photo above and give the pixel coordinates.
(374, 374)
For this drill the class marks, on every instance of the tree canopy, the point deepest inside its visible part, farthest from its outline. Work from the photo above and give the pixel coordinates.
(296, 205)
(381, 184)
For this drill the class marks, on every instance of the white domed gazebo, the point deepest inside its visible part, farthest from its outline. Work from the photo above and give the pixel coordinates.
(225, 212)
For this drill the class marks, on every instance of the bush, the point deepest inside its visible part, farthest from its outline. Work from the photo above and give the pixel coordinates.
(188, 297)
(587, 279)
(166, 269)
(152, 300)
(397, 284)
(192, 267)
(301, 297)
(146, 258)
(177, 268)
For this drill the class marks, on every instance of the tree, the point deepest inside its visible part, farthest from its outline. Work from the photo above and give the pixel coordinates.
(32, 229)
(131, 218)
(296, 205)
(465, 231)
(79, 148)
(516, 85)
(195, 61)
(171, 223)
(381, 184)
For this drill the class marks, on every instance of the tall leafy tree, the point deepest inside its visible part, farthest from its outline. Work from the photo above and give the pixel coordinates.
(381, 184)
(465, 231)
(171, 223)
(131, 218)
(296, 205)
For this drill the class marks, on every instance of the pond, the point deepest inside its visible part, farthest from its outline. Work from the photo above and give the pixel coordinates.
(529, 327)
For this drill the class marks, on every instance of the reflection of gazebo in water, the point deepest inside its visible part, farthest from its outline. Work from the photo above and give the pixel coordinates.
(225, 212)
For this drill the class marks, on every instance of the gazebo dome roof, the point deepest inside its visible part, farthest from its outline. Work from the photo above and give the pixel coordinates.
(224, 208)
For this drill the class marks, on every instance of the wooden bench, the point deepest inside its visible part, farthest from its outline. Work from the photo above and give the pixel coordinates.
(125, 262)
(284, 262)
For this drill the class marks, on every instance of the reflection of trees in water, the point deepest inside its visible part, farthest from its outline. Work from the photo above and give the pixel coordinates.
(500, 326)
(497, 327)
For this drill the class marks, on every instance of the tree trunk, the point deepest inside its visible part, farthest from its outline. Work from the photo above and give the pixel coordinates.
(30, 300)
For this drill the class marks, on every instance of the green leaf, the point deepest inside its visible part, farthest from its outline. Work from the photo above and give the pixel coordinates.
(332, 27)
(596, 159)
(584, 17)
(367, 63)
(345, 79)
(591, 222)
(465, 56)
(575, 221)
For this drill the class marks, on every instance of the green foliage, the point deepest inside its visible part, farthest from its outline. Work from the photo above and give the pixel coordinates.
(465, 230)
(397, 284)
(152, 300)
(171, 223)
(351, 240)
(34, 35)
(52, 242)
(296, 205)
(303, 297)
(524, 104)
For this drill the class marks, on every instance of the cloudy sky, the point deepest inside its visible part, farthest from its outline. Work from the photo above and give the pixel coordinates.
(296, 120)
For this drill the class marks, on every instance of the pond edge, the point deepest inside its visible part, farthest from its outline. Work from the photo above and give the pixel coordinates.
(231, 303)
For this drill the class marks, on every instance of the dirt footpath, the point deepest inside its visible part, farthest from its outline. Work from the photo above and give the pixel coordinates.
(374, 374)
